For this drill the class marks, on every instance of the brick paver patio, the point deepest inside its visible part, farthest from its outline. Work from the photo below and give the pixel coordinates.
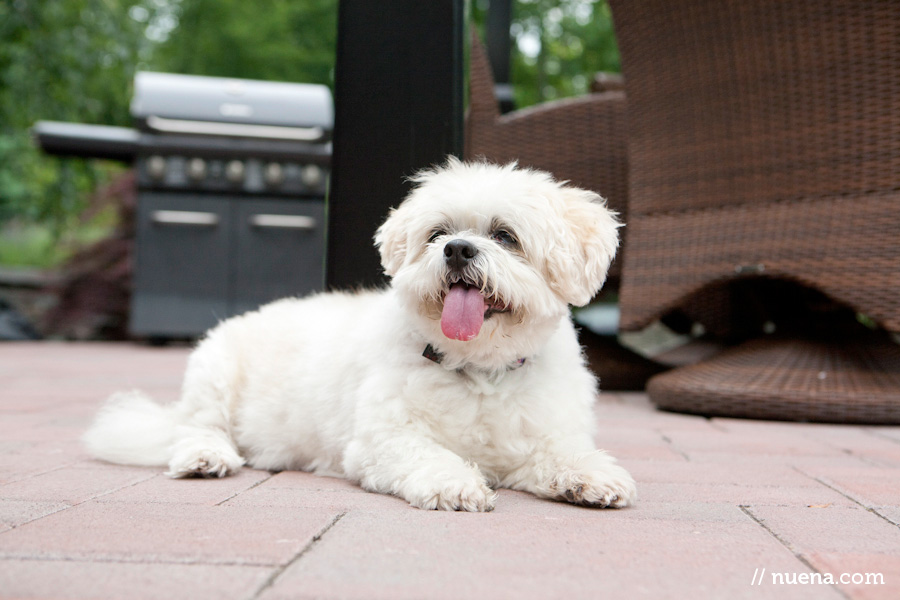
(727, 509)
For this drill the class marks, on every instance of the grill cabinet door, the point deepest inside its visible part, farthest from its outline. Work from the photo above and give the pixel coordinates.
(182, 264)
(280, 250)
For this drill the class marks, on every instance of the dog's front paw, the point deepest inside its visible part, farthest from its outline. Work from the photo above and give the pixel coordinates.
(467, 495)
(610, 486)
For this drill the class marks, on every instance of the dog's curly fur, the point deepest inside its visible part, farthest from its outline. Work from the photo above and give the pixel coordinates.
(337, 383)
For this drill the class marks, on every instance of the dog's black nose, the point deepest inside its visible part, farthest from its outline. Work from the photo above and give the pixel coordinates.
(459, 253)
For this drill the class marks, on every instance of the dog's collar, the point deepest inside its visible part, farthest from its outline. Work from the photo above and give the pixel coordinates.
(437, 357)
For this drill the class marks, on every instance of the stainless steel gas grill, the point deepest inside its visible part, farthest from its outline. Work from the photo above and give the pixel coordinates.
(231, 178)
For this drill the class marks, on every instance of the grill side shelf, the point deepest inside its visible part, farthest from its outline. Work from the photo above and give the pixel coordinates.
(85, 140)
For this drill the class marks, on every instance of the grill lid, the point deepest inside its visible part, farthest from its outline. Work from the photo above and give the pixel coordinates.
(193, 104)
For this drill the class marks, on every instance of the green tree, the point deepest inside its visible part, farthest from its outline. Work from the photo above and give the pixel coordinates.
(69, 60)
(557, 46)
(281, 40)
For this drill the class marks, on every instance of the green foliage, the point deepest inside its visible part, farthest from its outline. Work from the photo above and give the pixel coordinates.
(69, 60)
(34, 245)
(557, 47)
(280, 40)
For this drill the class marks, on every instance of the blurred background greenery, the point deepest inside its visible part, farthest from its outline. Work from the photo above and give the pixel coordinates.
(74, 60)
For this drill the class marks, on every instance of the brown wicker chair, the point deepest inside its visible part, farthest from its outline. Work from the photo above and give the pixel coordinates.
(780, 159)
(581, 140)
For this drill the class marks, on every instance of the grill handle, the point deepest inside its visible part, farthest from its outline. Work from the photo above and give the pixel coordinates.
(275, 132)
(283, 222)
(184, 217)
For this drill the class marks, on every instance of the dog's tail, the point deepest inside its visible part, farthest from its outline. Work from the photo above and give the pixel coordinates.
(132, 429)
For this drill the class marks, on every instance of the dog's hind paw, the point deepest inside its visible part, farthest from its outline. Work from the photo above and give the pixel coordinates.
(193, 461)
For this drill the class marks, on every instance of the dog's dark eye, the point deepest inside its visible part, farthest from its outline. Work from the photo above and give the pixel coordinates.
(504, 237)
(435, 234)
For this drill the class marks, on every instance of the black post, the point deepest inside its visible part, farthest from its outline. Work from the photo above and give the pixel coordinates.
(499, 18)
(398, 108)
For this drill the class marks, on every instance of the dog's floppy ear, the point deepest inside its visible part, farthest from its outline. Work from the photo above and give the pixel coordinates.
(578, 265)
(391, 239)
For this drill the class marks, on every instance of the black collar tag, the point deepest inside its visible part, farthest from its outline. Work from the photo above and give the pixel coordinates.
(432, 354)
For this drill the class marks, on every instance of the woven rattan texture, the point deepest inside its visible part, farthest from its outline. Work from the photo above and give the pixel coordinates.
(856, 382)
(762, 133)
(848, 248)
(581, 140)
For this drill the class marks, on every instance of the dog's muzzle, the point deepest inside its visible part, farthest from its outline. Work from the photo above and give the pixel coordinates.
(466, 302)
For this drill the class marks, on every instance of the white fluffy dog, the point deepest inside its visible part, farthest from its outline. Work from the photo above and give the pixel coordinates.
(463, 376)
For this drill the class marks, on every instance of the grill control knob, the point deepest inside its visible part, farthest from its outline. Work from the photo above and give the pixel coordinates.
(156, 167)
(196, 169)
(311, 175)
(234, 171)
(273, 175)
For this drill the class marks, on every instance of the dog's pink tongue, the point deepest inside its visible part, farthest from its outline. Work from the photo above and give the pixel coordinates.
(463, 312)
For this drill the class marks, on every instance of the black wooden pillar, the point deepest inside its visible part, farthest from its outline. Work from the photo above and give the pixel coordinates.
(398, 108)
(499, 17)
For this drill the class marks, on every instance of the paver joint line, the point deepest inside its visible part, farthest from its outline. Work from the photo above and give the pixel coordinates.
(870, 509)
(746, 510)
(238, 493)
(67, 505)
(716, 425)
(139, 560)
(672, 445)
(880, 435)
(14, 526)
(270, 581)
